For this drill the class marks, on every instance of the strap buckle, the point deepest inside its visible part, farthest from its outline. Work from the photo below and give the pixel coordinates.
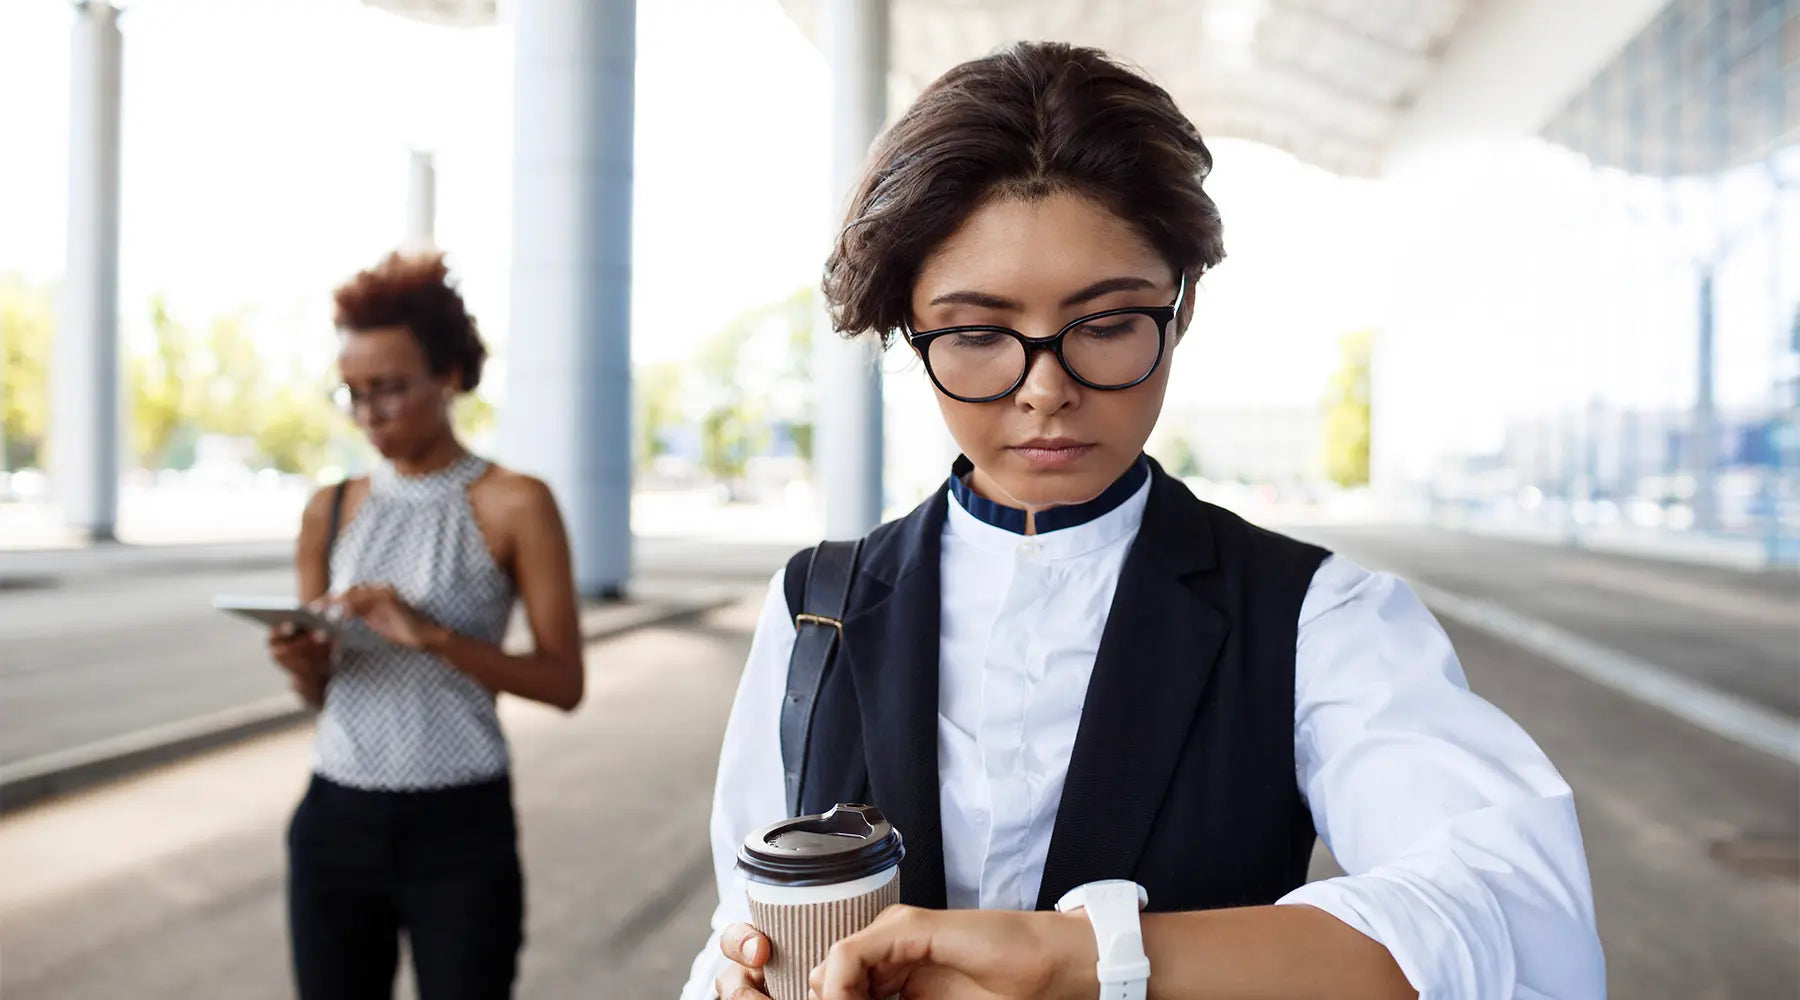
(806, 619)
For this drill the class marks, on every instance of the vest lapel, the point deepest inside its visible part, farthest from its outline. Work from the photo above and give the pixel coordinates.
(1155, 657)
(891, 644)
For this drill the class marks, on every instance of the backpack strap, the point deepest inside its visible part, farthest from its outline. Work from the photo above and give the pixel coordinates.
(824, 592)
(337, 521)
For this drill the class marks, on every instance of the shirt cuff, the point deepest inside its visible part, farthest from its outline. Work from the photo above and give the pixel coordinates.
(705, 971)
(1441, 936)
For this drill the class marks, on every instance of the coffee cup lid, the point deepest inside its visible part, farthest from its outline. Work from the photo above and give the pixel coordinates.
(847, 842)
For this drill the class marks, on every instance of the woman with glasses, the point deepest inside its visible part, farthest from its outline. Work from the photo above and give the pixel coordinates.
(407, 826)
(1078, 691)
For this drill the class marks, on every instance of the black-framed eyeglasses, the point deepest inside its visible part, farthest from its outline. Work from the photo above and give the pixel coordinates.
(1108, 351)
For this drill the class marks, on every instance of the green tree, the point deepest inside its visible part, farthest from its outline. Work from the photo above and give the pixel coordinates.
(658, 398)
(294, 429)
(27, 324)
(1177, 454)
(733, 427)
(473, 415)
(234, 380)
(1347, 412)
(161, 388)
(803, 313)
(183, 386)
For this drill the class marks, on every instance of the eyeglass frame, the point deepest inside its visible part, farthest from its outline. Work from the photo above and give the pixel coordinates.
(385, 402)
(919, 340)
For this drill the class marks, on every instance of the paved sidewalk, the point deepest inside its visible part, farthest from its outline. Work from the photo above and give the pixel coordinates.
(32, 779)
(168, 886)
(22, 569)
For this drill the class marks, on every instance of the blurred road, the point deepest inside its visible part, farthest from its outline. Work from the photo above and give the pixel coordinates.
(104, 643)
(1735, 631)
(169, 885)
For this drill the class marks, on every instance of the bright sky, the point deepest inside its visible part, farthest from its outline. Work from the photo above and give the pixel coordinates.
(265, 158)
(265, 154)
(265, 151)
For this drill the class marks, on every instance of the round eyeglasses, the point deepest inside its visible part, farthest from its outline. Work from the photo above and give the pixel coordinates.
(1108, 351)
(383, 400)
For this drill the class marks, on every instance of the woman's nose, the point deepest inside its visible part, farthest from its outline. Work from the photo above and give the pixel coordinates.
(1047, 387)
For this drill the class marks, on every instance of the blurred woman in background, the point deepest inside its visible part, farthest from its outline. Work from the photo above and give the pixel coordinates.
(408, 822)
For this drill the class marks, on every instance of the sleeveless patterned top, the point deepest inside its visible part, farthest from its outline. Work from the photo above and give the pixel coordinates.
(400, 719)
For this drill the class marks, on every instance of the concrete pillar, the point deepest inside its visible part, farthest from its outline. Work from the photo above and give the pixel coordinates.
(567, 416)
(421, 201)
(847, 426)
(85, 381)
(1705, 459)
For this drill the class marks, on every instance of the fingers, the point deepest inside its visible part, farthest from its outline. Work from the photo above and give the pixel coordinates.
(877, 960)
(739, 983)
(365, 598)
(744, 945)
(303, 654)
(302, 645)
(748, 951)
(290, 637)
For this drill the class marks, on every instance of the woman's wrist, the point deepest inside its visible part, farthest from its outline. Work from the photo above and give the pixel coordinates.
(1074, 956)
(435, 638)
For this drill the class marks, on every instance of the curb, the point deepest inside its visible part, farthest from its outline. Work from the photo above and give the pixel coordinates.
(38, 778)
(29, 569)
(50, 775)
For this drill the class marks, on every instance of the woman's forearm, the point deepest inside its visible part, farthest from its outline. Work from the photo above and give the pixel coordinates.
(537, 676)
(1272, 952)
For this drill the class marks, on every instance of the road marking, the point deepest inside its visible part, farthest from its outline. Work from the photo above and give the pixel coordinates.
(1728, 715)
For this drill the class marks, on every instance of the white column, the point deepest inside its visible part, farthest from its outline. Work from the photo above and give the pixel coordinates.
(421, 201)
(85, 381)
(567, 416)
(847, 427)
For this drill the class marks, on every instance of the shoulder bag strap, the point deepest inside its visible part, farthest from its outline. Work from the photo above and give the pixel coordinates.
(818, 628)
(337, 521)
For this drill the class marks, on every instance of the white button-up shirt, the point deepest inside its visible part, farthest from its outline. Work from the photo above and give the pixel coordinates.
(1460, 838)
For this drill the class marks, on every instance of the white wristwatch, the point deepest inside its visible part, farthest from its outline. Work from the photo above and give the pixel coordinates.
(1112, 907)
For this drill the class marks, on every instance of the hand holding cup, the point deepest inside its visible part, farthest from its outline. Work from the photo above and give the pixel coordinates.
(812, 881)
(748, 952)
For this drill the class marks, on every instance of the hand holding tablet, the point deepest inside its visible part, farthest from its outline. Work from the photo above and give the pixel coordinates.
(295, 616)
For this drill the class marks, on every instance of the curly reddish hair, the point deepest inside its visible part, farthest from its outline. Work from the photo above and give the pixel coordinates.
(415, 291)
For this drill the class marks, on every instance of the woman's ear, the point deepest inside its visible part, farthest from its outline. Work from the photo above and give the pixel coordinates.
(1185, 315)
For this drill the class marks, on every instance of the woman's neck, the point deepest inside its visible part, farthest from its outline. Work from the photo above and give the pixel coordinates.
(987, 489)
(434, 457)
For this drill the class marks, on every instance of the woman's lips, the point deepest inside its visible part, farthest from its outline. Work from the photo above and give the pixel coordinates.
(1051, 454)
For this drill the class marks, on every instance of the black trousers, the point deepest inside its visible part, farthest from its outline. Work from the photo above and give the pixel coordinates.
(440, 865)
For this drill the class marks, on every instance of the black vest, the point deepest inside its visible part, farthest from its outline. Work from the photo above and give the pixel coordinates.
(1182, 776)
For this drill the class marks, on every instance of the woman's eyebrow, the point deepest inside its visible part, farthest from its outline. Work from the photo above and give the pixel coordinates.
(985, 300)
(1105, 286)
(980, 299)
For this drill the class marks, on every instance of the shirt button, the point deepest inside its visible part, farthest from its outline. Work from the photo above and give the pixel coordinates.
(1028, 548)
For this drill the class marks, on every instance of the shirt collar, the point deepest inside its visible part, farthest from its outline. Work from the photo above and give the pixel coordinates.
(1062, 531)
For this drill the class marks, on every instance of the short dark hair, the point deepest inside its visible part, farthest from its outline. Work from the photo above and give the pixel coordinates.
(1033, 119)
(415, 291)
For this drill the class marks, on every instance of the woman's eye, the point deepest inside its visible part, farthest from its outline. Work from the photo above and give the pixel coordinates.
(975, 341)
(1103, 330)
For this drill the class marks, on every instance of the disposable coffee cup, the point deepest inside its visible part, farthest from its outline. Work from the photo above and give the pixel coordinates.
(814, 880)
